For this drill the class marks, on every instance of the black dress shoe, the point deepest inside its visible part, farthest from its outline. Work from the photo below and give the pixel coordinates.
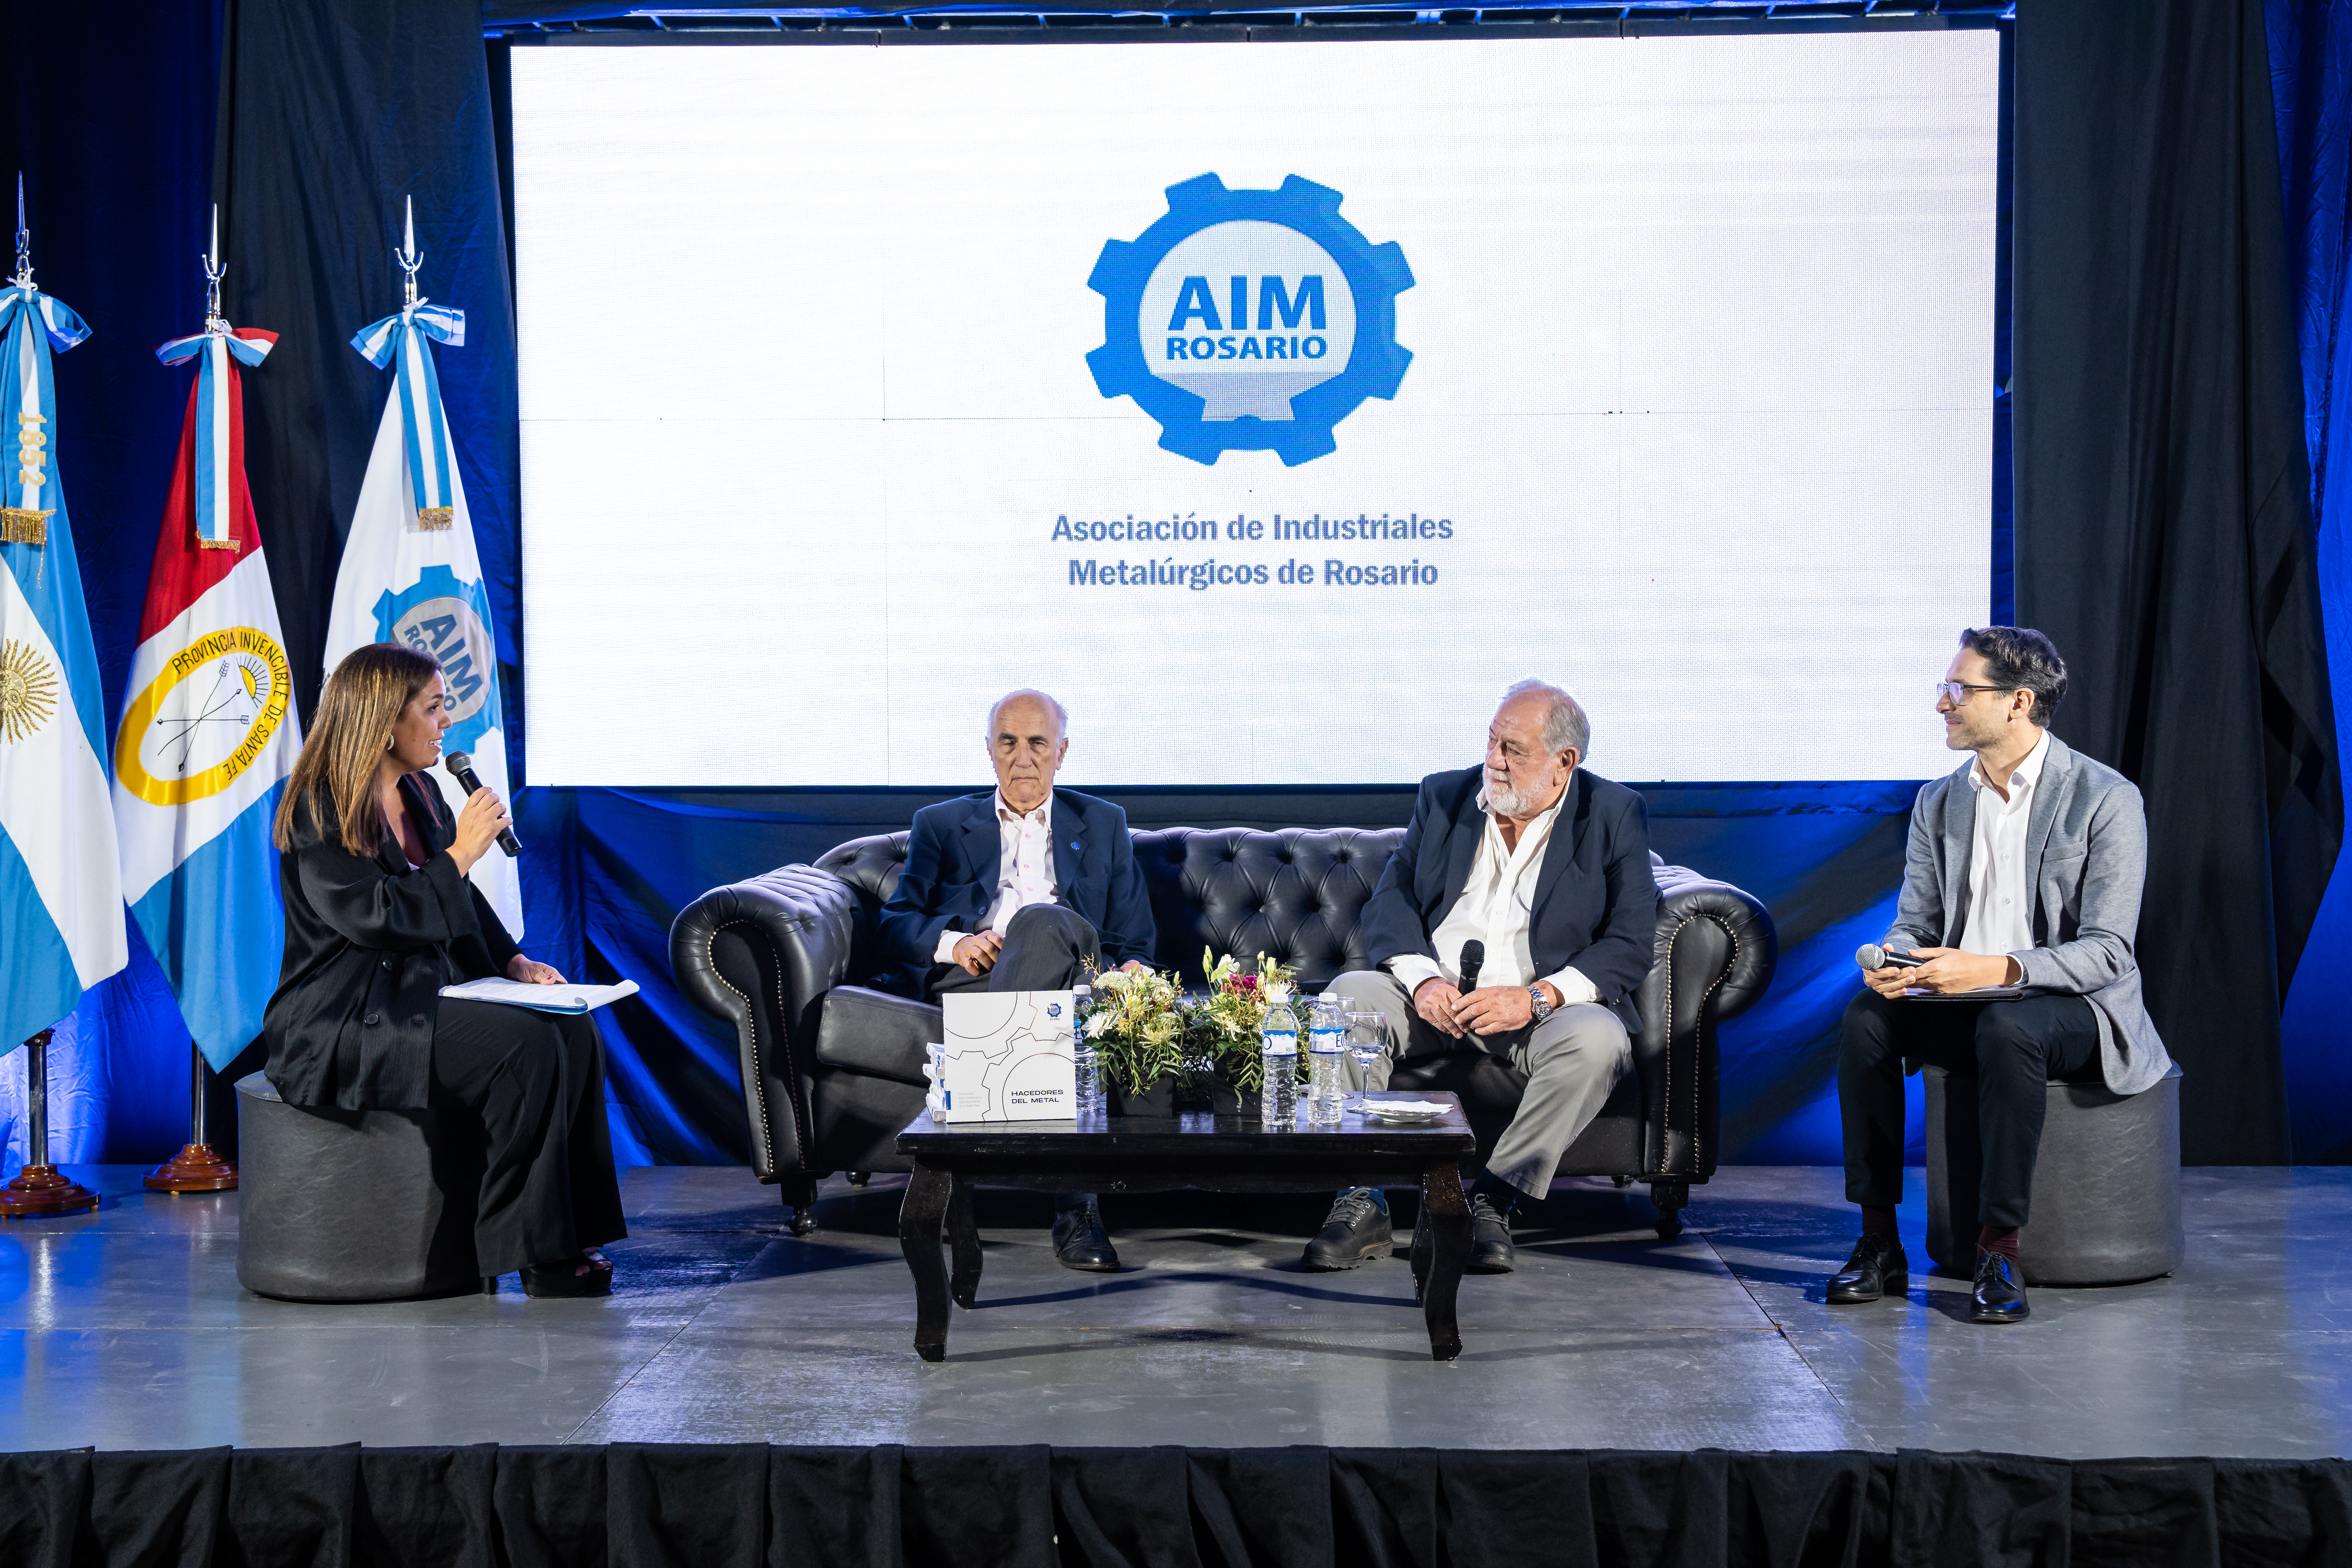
(1999, 1295)
(1877, 1268)
(1355, 1231)
(1080, 1241)
(1491, 1252)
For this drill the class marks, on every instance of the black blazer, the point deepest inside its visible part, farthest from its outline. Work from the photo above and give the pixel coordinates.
(370, 941)
(950, 878)
(1596, 903)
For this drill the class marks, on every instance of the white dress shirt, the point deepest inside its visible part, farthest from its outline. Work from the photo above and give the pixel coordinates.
(1495, 908)
(2001, 905)
(1025, 870)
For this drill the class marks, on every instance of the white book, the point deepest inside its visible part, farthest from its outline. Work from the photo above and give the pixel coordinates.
(563, 998)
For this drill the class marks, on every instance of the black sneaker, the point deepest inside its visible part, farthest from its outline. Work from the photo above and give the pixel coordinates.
(1355, 1231)
(2000, 1294)
(1877, 1268)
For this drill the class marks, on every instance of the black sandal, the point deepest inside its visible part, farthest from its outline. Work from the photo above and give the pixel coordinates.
(545, 1281)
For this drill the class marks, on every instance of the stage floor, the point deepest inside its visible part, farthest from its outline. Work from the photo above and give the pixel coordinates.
(126, 1329)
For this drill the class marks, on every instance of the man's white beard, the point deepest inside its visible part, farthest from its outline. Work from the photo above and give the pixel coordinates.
(1505, 801)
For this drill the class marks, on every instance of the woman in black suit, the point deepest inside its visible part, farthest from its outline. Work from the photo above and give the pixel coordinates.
(379, 918)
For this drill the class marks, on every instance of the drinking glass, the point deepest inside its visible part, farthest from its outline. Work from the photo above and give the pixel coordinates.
(1368, 1036)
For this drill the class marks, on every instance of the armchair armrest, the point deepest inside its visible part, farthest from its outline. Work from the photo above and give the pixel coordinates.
(1716, 952)
(761, 954)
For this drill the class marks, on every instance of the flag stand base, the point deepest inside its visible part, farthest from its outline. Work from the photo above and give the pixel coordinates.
(41, 1190)
(198, 1167)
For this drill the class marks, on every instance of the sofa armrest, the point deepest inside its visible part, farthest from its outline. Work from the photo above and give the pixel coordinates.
(761, 954)
(1716, 952)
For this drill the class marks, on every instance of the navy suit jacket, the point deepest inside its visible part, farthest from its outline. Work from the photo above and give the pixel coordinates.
(952, 873)
(1596, 902)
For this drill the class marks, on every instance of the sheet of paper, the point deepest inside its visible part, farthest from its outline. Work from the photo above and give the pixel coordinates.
(544, 998)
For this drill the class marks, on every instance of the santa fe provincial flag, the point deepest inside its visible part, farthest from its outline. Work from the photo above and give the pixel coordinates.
(410, 574)
(209, 733)
(60, 894)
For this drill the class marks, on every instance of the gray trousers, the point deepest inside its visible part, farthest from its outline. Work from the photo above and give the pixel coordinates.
(1046, 948)
(1573, 1059)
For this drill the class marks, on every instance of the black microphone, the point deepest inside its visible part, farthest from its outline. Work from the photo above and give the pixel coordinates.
(1870, 955)
(461, 768)
(1473, 958)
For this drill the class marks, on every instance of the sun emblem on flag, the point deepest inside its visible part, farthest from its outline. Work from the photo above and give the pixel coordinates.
(28, 690)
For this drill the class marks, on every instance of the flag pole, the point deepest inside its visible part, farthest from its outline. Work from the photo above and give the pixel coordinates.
(40, 1188)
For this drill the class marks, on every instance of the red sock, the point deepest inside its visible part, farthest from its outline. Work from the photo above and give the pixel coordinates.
(1997, 1238)
(1879, 1220)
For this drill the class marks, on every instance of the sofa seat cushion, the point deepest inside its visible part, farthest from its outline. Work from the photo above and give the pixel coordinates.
(876, 1034)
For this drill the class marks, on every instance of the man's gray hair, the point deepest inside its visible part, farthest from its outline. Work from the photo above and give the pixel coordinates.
(1061, 714)
(1564, 723)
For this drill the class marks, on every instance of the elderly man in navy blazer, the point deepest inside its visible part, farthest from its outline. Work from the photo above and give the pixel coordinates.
(1021, 887)
(1548, 865)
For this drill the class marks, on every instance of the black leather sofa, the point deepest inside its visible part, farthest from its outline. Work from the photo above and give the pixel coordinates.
(783, 957)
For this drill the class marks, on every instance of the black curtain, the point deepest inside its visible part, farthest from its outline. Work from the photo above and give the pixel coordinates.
(330, 116)
(751, 1506)
(2164, 532)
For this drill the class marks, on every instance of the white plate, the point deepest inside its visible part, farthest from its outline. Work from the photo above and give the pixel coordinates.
(1406, 1110)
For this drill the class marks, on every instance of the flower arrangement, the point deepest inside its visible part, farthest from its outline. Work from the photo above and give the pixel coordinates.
(1137, 1027)
(1223, 1023)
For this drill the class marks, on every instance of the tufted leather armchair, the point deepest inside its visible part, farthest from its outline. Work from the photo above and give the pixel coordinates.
(831, 1068)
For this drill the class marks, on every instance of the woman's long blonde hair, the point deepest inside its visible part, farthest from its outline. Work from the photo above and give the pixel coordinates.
(348, 735)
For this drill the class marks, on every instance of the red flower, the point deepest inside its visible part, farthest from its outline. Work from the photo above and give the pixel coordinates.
(1243, 982)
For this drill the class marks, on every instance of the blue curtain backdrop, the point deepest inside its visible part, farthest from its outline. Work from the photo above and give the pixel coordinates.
(2311, 85)
(328, 115)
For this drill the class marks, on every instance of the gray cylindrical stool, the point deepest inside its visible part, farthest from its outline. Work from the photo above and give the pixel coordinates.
(350, 1206)
(2107, 1186)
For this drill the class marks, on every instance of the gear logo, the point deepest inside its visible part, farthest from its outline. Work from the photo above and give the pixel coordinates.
(1249, 320)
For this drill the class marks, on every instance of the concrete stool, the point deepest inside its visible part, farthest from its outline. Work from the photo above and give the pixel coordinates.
(2107, 1187)
(350, 1206)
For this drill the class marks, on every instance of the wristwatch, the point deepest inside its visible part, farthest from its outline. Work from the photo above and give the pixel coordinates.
(1535, 1000)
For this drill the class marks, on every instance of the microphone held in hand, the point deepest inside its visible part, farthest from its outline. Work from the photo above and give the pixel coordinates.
(461, 768)
(1870, 955)
(1473, 958)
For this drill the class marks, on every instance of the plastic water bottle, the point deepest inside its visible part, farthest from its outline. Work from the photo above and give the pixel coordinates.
(1327, 1049)
(1278, 1054)
(1084, 1069)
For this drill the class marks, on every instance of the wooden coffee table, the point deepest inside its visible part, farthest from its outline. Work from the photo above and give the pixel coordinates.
(1157, 1154)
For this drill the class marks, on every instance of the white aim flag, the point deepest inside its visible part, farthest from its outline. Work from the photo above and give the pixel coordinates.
(410, 573)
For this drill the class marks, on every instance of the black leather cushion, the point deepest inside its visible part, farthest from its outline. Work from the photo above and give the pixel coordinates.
(875, 1033)
(1296, 894)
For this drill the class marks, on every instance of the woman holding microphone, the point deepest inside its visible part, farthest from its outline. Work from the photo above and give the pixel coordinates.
(379, 918)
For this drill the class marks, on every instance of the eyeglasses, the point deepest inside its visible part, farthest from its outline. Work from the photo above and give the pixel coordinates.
(1957, 691)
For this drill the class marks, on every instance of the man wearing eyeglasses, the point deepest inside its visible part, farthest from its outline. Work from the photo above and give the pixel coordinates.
(2023, 882)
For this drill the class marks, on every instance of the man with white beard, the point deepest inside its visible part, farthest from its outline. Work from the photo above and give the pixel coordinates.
(1548, 865)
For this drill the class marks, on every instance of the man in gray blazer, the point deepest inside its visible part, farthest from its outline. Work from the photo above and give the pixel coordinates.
(2023, 878)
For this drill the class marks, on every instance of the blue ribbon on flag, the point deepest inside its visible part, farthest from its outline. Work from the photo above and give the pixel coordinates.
(216, 344)
(423, 431)
(25, 518)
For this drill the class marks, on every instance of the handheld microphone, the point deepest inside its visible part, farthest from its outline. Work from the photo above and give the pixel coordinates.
(1870, 955)
(461, 768)
(1473, 958)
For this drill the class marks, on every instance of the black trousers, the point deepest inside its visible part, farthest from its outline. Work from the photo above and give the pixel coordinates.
(2014, 1051)
(1047, 947)
(531, 1087)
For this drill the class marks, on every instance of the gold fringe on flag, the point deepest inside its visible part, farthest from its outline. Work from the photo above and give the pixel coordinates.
(20, 526)
(204, 544)
(432, 519)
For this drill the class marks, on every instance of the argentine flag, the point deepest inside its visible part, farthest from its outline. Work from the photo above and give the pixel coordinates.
(209, 731)
(410, 574)
(61, 893)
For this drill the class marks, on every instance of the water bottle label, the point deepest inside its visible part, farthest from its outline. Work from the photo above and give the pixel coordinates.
(1329, 1041)
(1279, 1044)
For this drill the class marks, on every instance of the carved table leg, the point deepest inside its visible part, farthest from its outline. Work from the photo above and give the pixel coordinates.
(919, 1213)
(1447, 1220)
(963, 1241)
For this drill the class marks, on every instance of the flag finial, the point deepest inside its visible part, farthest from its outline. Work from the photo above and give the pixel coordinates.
(408, 256)
(213, 273)
(24, 279)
